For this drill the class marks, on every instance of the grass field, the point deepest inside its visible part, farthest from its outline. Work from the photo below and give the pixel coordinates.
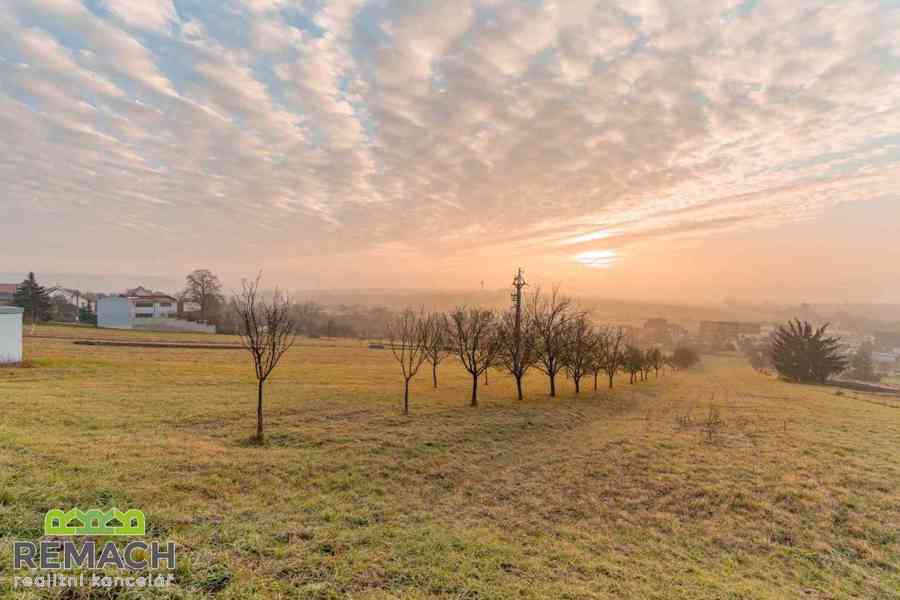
(608, 495)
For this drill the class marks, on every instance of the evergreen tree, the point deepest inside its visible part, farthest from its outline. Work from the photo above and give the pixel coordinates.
(804, 354)
(34, 298)
(87, 316)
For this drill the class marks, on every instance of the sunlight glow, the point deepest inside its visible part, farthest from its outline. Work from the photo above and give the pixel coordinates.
(597, 259)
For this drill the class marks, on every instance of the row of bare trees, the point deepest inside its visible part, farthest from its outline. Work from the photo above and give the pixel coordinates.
(550, 335)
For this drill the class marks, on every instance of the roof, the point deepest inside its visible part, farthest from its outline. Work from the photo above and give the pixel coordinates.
(152, 297)
(8, 288)
(11, 310)
(142, 293)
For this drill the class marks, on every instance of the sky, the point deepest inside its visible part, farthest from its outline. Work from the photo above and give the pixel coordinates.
(648, 149)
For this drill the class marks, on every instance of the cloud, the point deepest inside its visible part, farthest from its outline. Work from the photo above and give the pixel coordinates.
(156, 15)
(568, 129)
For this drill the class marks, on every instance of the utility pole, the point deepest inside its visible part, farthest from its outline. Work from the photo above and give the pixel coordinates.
(518, 284)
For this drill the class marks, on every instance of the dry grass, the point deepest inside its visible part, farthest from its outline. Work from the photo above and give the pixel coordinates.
(639, 493)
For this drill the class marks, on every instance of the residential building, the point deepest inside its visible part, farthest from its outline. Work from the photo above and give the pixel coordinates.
(122, 311)
(140, 308)
(664, 332)
(887, 341)
(885, 362)
(718, 333)
(7, 293)
(74, 297)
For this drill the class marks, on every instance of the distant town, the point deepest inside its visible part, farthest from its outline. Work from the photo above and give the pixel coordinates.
(202, 307)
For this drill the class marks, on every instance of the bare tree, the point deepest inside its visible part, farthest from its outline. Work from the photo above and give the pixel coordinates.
(309, 316)
(203, 287)
(437, 348)
(645, 364)
(549, 317)
(471, 333)
(614, 353)
(408, 335)
(598, 356)
(267, 331)
(655, 358)
(517, 350)
(579, 349)
(633, 361)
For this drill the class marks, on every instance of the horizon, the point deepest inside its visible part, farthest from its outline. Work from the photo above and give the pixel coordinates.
(172, 285)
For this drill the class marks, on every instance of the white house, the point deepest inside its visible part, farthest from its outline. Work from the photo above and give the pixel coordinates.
(126, 310)
(10, 334)
(141, 308)
(72, 297)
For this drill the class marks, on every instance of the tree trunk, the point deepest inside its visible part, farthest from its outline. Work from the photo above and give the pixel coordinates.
(596, 379)
(474, 391)
(259, 412)
(434, 374)
(406, 397)
(577, 384)
(553, 386)
(485, 377)
(611, 377)
(519, 387)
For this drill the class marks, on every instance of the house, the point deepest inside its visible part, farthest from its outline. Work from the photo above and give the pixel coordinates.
(10, 334)
(885, 362)
(140, 308)
(74, 297)
(887, 341)
(188, 307)
(662, 331)
(7, 293)
(718, 333)
(122, 311)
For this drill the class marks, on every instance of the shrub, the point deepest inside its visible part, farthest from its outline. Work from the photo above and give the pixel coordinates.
(685, 357)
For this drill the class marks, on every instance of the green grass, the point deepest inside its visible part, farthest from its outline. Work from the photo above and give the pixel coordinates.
(607, 495)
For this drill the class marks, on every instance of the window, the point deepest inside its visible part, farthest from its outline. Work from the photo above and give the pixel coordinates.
(165, 305)
(143, 304)
(143, 316)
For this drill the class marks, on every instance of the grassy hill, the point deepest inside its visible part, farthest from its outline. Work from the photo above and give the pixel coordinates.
(628, 494)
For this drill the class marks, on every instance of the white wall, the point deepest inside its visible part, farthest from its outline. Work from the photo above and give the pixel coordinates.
(169, 324)
(114, 312)
(10, 338)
